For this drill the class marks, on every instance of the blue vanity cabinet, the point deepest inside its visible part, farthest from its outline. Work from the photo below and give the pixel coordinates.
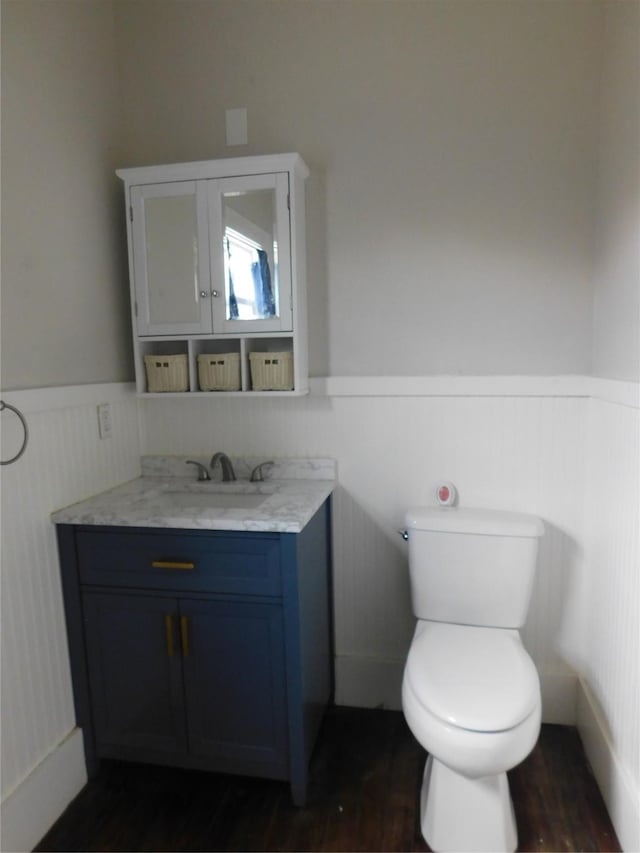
(202, 649)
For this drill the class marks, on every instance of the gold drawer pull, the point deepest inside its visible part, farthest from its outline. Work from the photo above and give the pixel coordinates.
(172, 564)
(184, 631)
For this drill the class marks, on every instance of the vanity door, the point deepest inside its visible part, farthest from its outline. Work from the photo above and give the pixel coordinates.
(135, 672)
(235, 684)
(171, 258)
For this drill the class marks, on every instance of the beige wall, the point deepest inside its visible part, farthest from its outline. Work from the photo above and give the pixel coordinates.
(64, 283)
(463, 157)
(451, 146)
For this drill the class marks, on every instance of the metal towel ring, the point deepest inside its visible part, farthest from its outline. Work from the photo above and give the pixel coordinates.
(23, 421)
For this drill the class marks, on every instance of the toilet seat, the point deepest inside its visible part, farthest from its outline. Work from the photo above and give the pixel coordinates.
(472, 678)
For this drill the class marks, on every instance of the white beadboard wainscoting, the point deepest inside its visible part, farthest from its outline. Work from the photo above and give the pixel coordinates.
(65, 460)
(523, 453)
(564, 448)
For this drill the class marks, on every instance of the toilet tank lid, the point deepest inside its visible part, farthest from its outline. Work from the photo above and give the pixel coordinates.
(487, 522)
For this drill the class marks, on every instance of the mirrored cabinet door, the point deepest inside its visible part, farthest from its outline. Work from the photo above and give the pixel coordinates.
(171, 258)
(250, 254)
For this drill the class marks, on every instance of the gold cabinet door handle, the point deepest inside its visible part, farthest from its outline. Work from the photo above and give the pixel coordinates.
(172, 564)
(184, 635)
(168, 626)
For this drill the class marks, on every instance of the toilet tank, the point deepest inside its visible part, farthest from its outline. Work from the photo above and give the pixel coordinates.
(472, 566)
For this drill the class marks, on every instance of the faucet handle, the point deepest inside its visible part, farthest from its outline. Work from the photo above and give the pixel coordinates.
(257, 475)
(203, 474)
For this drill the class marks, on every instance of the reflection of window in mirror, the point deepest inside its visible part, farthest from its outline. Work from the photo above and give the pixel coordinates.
(250, 263)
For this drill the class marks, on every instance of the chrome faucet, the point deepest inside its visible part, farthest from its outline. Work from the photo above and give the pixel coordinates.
(203, 474)
(228, 473)
(257, 475)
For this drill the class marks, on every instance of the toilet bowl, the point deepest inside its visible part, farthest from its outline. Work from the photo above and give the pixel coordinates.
(471, 697)
(470, 692)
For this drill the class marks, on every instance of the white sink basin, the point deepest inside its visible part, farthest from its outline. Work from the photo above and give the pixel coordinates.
(216, 497)
(213, 499)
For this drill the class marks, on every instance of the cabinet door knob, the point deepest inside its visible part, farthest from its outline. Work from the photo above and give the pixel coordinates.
(215, 293)
(203, 294)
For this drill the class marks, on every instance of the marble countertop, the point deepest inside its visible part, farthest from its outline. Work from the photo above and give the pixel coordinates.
(168, 495)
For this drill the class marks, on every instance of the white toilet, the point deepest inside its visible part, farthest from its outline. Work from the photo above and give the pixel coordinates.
(470, 691)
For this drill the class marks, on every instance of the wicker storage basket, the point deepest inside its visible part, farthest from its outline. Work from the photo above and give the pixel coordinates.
(219, 371)
(166, 373)
(271, 371)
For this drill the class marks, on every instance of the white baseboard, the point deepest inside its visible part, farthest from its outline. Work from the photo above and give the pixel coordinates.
(30, 810)
(363, 682)
(620, 793)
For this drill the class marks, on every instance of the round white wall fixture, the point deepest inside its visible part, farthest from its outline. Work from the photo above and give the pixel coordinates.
(446, 494)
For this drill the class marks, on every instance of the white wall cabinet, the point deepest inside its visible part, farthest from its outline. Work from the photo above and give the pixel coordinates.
(218, 268)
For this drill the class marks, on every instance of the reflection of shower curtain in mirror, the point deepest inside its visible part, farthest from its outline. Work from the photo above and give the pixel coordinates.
(233, 302)
(265, 303)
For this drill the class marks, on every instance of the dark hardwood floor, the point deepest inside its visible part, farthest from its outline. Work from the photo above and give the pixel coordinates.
(365, 778)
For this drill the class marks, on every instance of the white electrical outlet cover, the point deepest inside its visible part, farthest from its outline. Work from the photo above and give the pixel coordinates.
(104, 420)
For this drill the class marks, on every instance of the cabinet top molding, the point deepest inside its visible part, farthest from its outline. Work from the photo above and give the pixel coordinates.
(227, 167)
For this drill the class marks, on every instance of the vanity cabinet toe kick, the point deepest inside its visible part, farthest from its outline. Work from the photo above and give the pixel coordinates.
(203, 649)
